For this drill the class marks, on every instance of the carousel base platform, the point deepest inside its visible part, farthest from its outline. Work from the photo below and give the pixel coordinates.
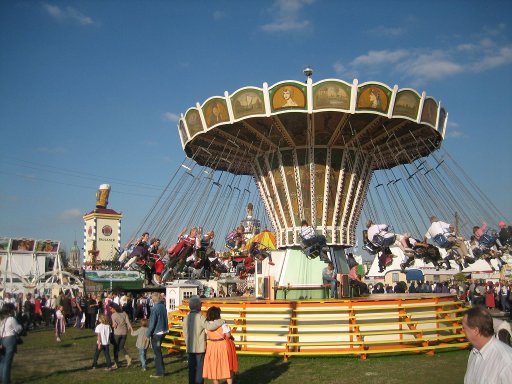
(377, 324)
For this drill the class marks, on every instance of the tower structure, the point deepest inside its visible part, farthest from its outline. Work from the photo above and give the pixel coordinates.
(102, 230)
(74, 255)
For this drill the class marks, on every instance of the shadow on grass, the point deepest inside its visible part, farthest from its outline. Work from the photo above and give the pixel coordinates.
(265, 373)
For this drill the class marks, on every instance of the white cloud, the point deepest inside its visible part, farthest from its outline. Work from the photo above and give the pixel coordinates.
(339, 68)
(286, 16)
(431, 65)
(172, 117)
(67, 14)
(70, 215)
(420, 65)
(455, 134)
(380, 57)
(219, 15)
(285, 26)
(453, 131)
(503, 56)
(495, 30)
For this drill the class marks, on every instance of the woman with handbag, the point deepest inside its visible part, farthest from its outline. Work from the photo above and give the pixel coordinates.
(10, 329)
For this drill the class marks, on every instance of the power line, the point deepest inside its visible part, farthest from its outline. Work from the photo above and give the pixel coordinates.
(73, 173)
(70, 184)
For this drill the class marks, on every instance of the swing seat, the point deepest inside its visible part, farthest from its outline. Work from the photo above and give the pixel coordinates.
(487, 240)
(383, 241)
(442, 241)
(371, 248)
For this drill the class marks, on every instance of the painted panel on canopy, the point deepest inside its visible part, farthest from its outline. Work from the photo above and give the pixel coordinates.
(320, 160)
(215, 112)
(407, 103)
(429, 113)
(287, 96)
(193, 120)
(278, 180)
(247, 102)
(373, 97)
(442, 120)
(289, 170)
(332, 95)
(183, 133)
(305, 182)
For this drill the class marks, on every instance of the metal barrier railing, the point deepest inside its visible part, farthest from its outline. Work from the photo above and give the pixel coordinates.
(355, 327)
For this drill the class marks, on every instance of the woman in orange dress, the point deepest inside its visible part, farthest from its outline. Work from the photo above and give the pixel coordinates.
(220, 361)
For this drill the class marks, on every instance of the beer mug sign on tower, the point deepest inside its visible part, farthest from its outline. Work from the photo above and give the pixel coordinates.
(102, 196)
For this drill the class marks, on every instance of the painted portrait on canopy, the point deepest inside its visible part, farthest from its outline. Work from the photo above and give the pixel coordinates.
(373, 97)
(331, 94)
(288, 96)
(247, 102)
(193, 122)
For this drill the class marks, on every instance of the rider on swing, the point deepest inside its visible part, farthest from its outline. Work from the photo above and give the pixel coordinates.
(381, 240)
(313, 241)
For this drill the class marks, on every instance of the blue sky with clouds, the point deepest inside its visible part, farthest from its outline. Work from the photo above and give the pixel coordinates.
(91, 91)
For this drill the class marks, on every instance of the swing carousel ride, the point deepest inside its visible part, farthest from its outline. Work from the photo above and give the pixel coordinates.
(330, 153)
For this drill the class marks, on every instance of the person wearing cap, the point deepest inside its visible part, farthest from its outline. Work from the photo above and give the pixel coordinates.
(505, 234)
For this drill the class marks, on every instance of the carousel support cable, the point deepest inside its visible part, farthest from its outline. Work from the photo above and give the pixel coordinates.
(150, 212)
(479, 201)
(454, 204)
(481, 194)
(420, 202)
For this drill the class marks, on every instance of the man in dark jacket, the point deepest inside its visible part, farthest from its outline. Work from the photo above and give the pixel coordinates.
(157, 329)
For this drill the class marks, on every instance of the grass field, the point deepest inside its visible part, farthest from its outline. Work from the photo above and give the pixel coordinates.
(40, 359)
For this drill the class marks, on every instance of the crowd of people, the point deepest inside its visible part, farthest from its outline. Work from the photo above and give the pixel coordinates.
(482, 244)
(112, 319)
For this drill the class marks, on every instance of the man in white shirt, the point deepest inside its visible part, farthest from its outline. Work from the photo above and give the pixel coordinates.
(438, 227)
(311, 239)
(387, 238)
(490, 360)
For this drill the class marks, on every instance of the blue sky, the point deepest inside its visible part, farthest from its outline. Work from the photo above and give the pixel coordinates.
(91, 91)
